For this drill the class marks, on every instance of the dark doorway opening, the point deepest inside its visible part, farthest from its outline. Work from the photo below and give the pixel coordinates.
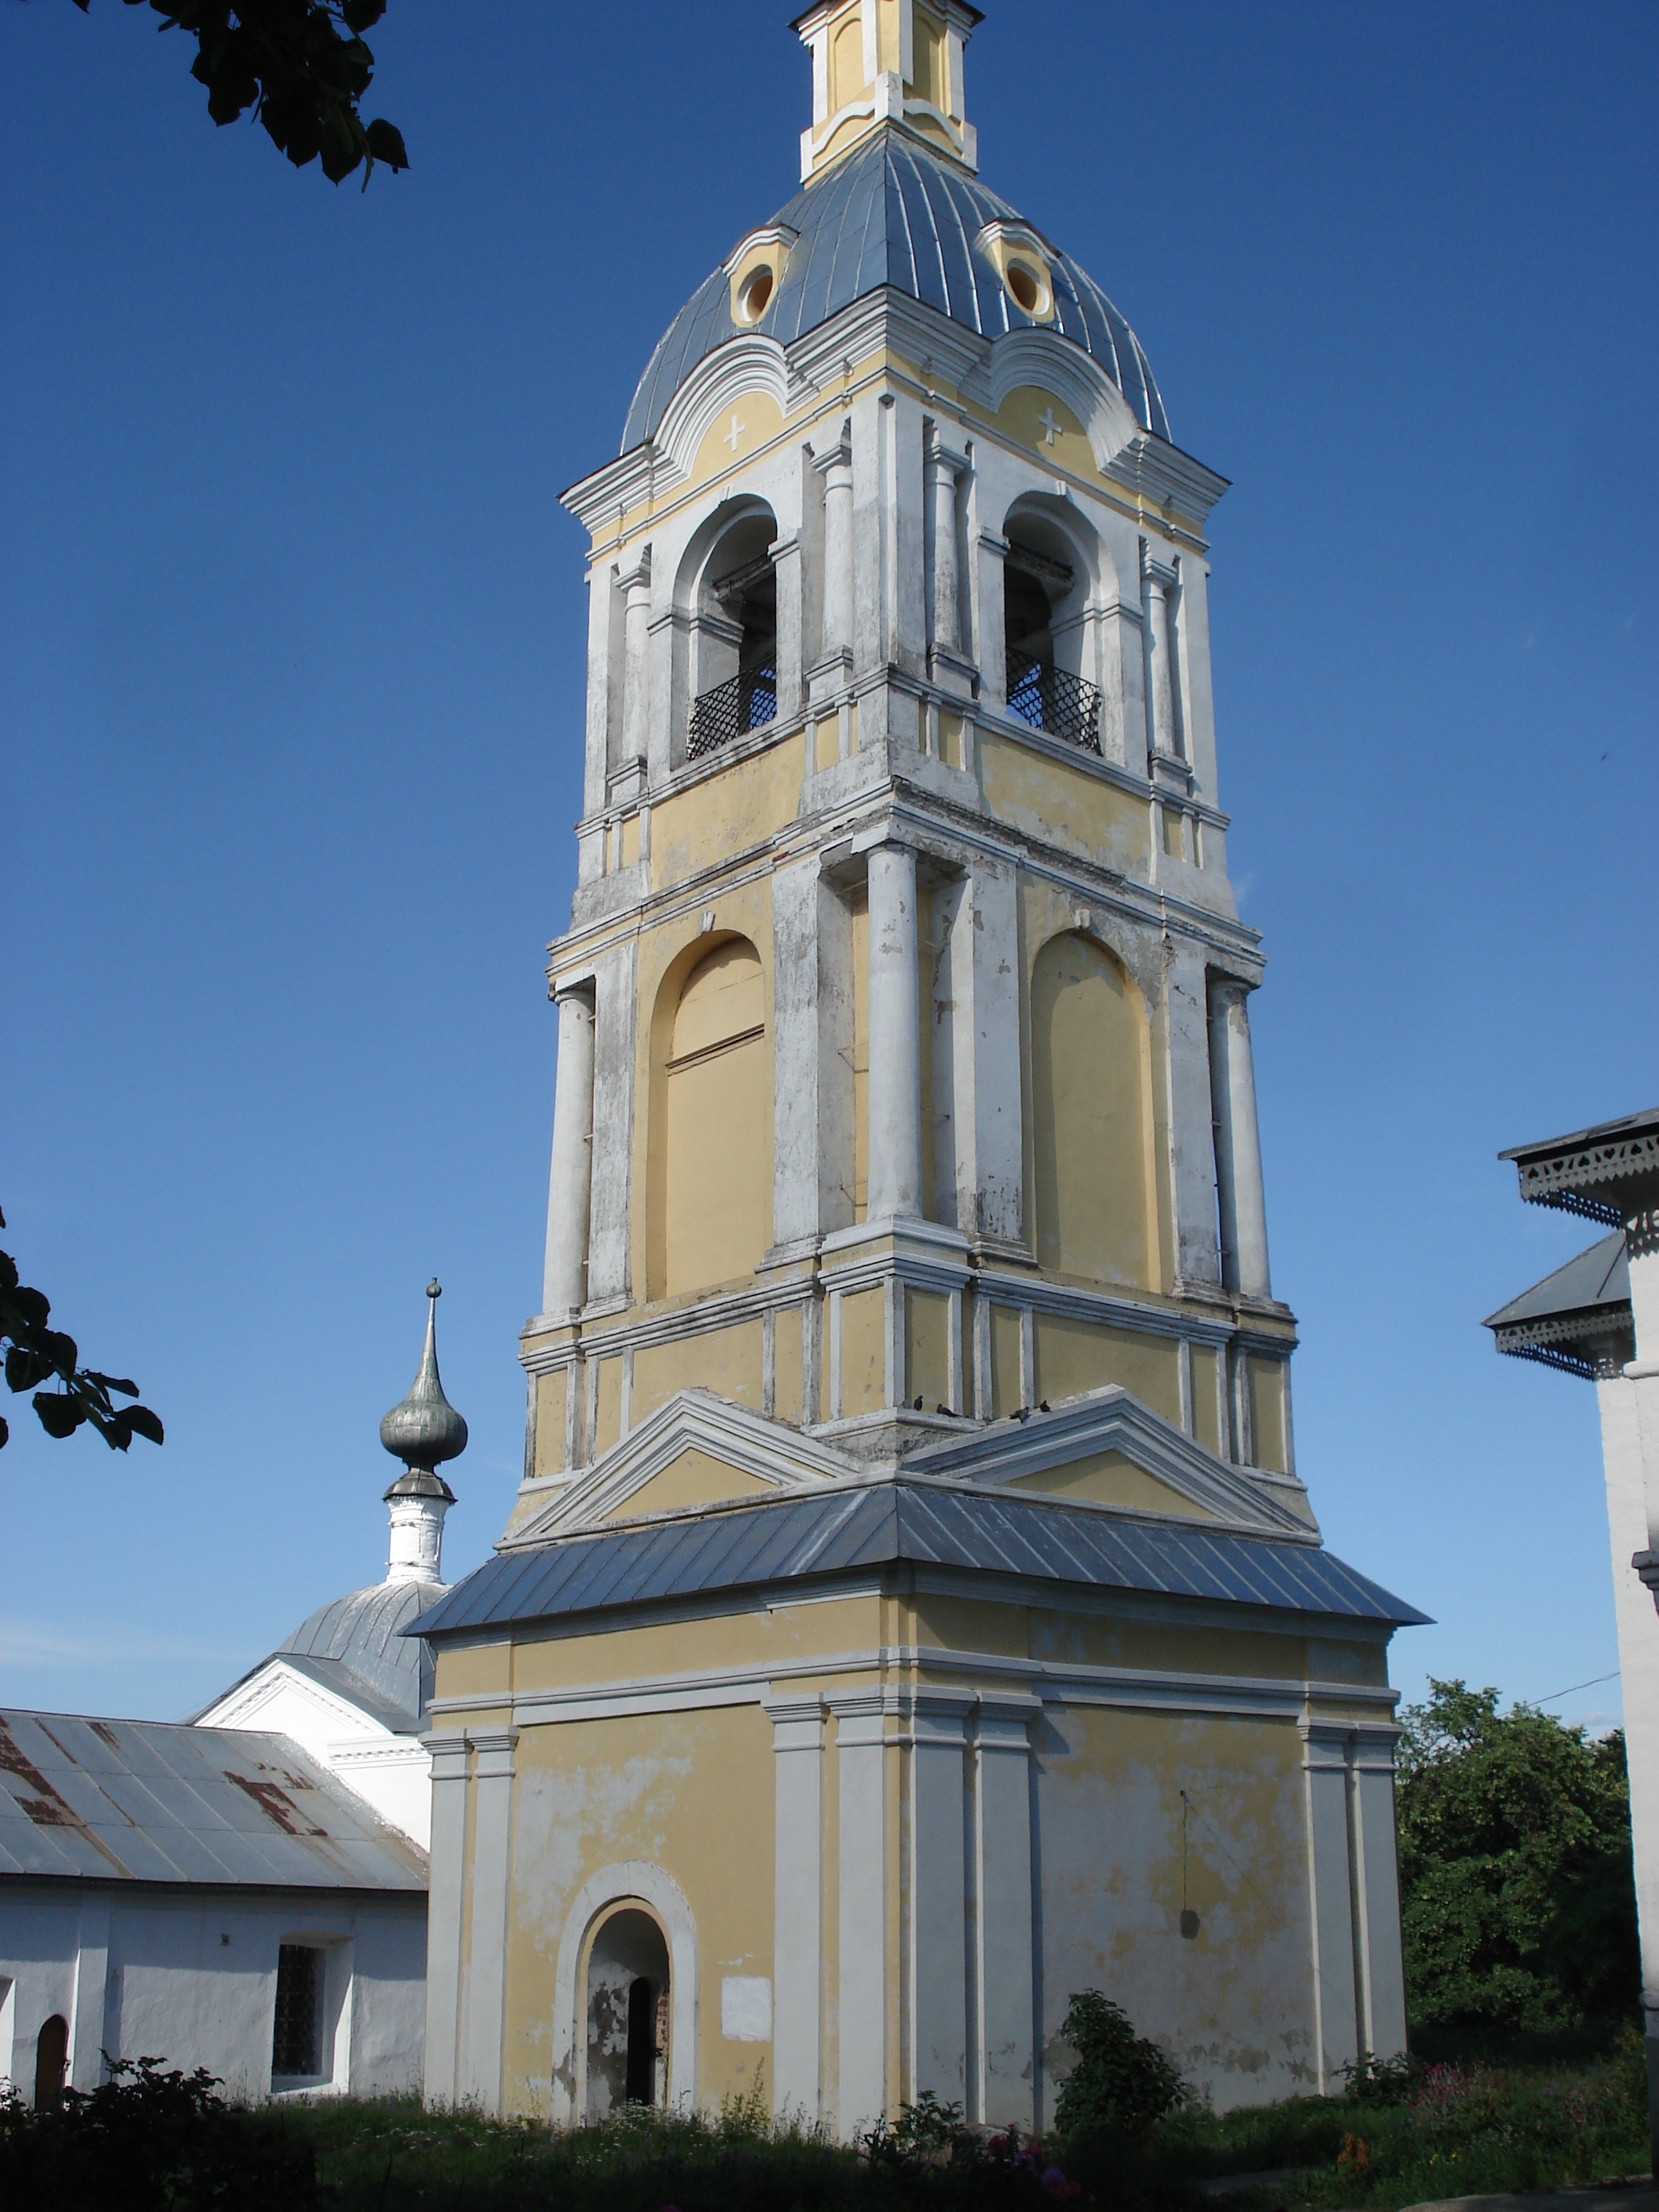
(641, 2042)
(51, 2061)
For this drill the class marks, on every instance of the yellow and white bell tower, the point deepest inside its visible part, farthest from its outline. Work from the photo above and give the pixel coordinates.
(909, 1527)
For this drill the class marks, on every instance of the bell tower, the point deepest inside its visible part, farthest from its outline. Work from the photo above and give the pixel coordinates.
(904, 1064)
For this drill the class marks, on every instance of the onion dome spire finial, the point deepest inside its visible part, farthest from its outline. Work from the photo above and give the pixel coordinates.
(423, 1432)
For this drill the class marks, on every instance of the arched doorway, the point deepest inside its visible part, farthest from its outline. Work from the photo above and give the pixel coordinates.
(51, 2063)
(626, 2014)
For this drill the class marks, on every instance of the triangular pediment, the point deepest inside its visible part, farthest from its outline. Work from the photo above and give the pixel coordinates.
(1105, 1449)
(696, 1451)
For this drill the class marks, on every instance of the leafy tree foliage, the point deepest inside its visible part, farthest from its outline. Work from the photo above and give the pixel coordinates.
(301, 65)
(1123, 2083)
(37, 1353)
(1517, 1899)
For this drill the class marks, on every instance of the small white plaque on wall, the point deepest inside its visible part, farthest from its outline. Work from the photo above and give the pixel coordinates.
(746, 2008)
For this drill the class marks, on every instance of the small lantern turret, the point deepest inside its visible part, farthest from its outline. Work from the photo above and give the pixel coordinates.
(423, 1432)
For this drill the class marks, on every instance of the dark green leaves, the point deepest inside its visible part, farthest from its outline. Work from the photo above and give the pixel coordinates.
(300, 65)
(36, 1354)
(1516, 1899)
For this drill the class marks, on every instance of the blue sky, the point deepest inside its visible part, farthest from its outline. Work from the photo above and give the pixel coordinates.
(291, 665)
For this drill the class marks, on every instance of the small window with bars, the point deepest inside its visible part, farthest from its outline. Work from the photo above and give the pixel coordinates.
(297, 2043)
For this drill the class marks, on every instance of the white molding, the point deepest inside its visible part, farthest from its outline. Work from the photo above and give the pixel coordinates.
(627, 1881)
(769, 1452)
(1108, 1420)
(1044, 1681)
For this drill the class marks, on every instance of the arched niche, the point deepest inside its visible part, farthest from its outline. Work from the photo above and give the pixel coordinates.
(726, 606)
(51, 2063)
(1094, 1190)
(710, 1201)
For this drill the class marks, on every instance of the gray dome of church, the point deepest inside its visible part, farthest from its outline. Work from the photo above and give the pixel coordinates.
(357, 1646)
(893, 216)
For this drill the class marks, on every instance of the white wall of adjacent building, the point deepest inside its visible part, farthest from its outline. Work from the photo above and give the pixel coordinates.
(189, 1977)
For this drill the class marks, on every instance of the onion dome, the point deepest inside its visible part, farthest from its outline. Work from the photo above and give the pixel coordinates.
(425, 1430)
(894, 217)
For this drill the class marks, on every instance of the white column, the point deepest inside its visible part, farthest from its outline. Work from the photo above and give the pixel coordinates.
(1376, 1893)
(637, 677)
(492, 1855)
(1159, 580)
(1006, 1978)
(936, 1920)
(861, 1908)
(835, 467)
(940, 470)
(609, 1224)
(564, 1276)
(797, 1892)
(1325, 1772)
(1628, 1395)
(796, 1045)
(1192, 1137)
(1237, 1142)
(446, 1890)
(895, 1088)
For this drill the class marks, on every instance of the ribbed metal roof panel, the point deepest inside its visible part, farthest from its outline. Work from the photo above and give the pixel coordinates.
(843, 1530)
(154, 1800)
(1598, 1277)
(892, 215)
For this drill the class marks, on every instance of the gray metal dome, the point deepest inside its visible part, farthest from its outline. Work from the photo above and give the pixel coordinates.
(893, 216)
(356, 1645)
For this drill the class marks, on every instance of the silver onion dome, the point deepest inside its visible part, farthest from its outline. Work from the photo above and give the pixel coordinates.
(425, 1430)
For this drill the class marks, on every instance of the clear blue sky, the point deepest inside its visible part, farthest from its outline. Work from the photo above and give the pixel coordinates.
(291, 676)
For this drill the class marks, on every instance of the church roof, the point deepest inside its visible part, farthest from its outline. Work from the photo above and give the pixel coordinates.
(871, 1525)
(161, 1800)
(893, 216)
(1565, 1319)
(356, 1646)
(1581, 1173)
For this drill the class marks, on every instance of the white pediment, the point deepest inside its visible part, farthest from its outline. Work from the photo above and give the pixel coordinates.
(1106, 1451)
(695, 1449)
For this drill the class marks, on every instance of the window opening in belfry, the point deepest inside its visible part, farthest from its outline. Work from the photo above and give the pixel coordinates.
(745, 593)
(1040, 694)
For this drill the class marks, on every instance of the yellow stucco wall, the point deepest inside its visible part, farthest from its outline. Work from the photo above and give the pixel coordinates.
(693, 1478)
(725, 1360)
(1073, 1356)
(1109, 1478)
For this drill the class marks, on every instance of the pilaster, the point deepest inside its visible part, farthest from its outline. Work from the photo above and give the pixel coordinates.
(861, 1910)
(446, 1894)
(1006, 1953)
(798, 1940)
(608, 1248)
(492, 1853)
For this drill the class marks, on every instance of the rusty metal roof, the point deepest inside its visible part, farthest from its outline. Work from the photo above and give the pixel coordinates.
(849, 1527)
(158, 1801)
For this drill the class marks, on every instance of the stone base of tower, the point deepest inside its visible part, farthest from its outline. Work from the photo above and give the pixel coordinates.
(863, 1769)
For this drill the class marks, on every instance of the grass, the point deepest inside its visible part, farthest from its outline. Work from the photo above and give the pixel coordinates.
(1496, 2122)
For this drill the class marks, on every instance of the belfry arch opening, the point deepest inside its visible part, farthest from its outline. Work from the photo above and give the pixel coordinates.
(627, 2013)
(1046, 584)
(1094, 1185)
(709, 1212)
(732, 621)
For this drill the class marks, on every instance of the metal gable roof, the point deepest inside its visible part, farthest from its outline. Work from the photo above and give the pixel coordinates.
(1597, 1278)
(893, 216)
(845, 1529)
(158, 1801)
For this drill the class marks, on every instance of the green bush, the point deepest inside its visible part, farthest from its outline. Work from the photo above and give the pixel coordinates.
(1517, 1901)
(151, 2142)
(1123, 2083)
